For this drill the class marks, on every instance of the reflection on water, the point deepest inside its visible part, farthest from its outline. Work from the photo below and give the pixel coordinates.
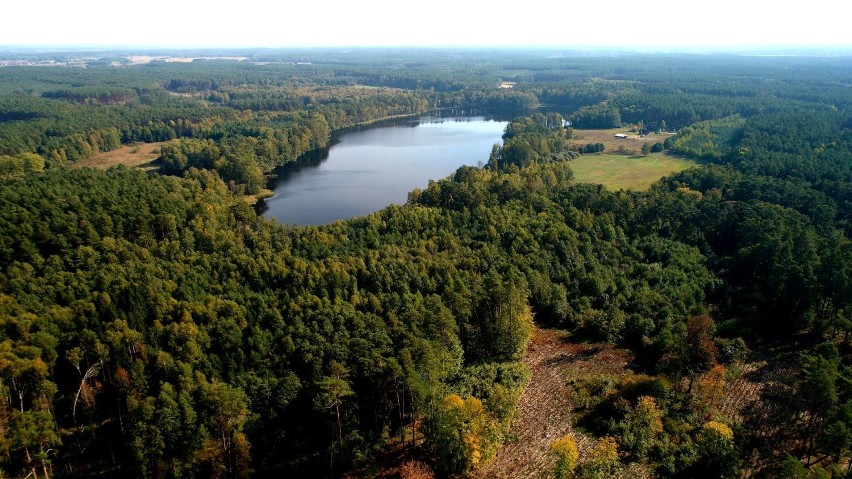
(367, 169)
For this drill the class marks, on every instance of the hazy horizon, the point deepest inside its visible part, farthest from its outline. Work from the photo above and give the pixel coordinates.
(550, 50)
(667, 25)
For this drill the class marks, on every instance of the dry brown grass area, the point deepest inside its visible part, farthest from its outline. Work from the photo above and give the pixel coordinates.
(631, 145)
(544, 409)
(140, 155)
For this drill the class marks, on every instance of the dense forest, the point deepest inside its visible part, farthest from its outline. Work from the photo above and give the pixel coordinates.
(153, 325)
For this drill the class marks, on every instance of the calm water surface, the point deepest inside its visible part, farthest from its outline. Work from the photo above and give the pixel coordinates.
(369, 169)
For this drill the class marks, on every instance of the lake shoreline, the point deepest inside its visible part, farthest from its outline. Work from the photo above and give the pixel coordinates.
(368, 168)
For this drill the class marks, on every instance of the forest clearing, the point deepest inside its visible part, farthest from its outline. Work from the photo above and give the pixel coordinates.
(632, 144)
(544, 411)
(637, 173)
(137, 155)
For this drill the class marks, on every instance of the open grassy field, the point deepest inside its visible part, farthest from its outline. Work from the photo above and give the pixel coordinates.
(632, 144)
(629, 172)
(140, 155)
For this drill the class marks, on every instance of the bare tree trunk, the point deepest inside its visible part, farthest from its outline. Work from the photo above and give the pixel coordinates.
(810, 443)
(400, 403)
(339, 424)
(89, 373)
(413, 425)
(226, 451)
(30, 461)
(120, 420)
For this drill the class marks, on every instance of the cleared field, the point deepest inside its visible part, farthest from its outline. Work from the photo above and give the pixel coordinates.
(632, 144)
(629, 172)
(545, 412)
(545, 409)
(140, 156)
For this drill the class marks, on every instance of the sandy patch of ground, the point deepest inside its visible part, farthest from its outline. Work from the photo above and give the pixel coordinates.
(140, 155)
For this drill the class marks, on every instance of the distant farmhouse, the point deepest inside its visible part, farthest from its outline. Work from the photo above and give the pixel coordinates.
(620, 135)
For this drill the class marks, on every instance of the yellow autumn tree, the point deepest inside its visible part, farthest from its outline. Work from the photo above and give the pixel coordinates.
(463, 434)
(642, 426)
(603, 461)
(720, 429)
(567, 455)
(718, 454)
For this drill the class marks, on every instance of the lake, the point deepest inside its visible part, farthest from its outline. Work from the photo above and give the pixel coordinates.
(368, 169)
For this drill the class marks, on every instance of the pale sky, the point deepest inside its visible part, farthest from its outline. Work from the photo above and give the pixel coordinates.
(277, 23)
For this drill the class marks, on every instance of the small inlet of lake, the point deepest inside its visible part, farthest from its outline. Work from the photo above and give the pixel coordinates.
(368, 169)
